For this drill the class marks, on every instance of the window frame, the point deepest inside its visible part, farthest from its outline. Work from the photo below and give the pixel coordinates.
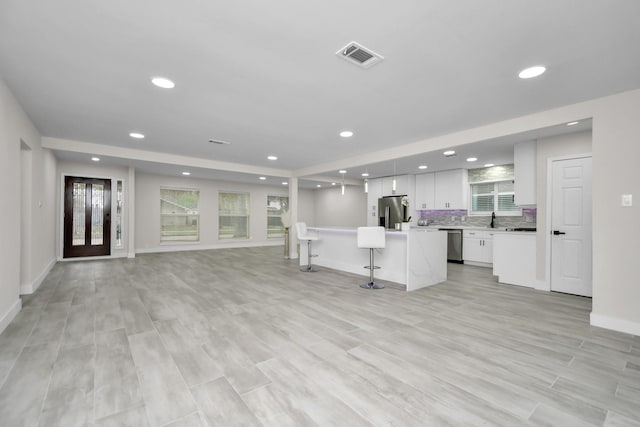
(163, 239)
(279, 235)
(496, 204)
(248, 216)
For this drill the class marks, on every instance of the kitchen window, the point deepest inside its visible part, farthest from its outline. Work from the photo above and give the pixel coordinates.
(179, 218)
(277, 209)
(497, 196)
(233, 216)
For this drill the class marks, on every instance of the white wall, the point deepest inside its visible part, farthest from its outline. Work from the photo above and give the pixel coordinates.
(616, 229)
(562, 145)
(307, 206)
(92, 169)
(334, 209)
(16, 128)
(147, 212)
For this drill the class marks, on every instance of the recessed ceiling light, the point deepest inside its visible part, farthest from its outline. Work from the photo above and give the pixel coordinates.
(572, 123)
(365, 174)
(346, 134)
(163, 82)
(333, 183)
(136, 135)
(285, 183)
(342, 171)
(262, 178)
(422, 167)
(449, 153)
(272, 157)
(488, 165)
(95, 159)
(318, 185)
(472, 159)
(530, 72)
(185, 173)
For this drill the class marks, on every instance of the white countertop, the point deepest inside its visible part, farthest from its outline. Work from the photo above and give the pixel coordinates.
(389, 232)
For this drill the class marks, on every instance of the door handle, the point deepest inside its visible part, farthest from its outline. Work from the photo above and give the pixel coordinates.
(558, 232)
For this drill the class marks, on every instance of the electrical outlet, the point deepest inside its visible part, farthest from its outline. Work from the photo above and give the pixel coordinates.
(463, 218)
(453, 218)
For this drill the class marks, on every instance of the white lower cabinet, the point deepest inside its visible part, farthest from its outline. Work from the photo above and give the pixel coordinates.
(515, 259)
(477, 247)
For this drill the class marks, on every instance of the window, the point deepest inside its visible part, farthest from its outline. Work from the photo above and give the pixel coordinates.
(487, 197)
(179, 219)
(233, 216)
(119, 219)
(277, 207)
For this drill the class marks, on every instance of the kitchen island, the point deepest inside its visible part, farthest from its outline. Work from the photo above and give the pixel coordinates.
(416, 258)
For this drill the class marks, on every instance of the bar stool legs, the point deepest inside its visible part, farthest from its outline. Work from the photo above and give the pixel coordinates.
(372, 284)
(309, 268)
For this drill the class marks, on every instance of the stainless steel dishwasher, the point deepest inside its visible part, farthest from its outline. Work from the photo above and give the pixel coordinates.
(454, 245)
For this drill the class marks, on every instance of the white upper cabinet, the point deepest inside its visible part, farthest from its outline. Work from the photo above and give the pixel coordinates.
(524, 168)
(404, 185)
(451, 189)
(425, 191)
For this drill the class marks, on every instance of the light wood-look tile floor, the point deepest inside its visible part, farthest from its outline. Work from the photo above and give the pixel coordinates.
(241, 337)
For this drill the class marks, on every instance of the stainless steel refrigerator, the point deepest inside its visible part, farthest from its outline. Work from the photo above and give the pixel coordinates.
(391, 211)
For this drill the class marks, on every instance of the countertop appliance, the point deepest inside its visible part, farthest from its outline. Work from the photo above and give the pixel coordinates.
(391, 211)
(454, 245)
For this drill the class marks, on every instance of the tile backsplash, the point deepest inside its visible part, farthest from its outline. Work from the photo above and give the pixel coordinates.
(461, 217)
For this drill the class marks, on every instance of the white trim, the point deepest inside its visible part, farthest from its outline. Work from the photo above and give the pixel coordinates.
(29, 288)
(615, 324)
(10, 314)
(479, 264)
(542, 285)
(229, 245)
(547, 230)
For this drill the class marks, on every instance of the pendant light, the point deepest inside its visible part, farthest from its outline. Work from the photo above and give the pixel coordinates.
(366, 185)
(342, 186)
(394, 182)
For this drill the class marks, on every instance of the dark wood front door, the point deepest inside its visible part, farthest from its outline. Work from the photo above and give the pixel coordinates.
(87, 217)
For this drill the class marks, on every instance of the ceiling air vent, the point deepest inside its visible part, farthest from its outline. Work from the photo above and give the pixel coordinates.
(359, 55)
(219, 142)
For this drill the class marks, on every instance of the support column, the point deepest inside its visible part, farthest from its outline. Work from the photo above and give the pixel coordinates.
(293, 215)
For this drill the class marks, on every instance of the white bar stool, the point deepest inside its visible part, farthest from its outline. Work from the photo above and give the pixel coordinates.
(371, 238)
(304, 235)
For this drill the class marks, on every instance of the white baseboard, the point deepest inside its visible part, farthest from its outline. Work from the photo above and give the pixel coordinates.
(198, 247)
(542, 285)
(615, 324)
(29, 288)
(10, 315)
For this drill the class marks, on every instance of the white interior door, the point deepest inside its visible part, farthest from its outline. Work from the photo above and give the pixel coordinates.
(571, 226)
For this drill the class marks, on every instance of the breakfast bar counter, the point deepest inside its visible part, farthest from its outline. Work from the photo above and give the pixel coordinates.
(415, 258)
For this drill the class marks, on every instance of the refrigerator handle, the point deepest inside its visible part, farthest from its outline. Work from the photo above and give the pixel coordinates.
(387, 214)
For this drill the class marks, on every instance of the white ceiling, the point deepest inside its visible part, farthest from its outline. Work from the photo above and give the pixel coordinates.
(264, 75)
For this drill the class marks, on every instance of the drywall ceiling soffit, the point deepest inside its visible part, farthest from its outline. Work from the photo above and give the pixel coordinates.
(266, 78)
